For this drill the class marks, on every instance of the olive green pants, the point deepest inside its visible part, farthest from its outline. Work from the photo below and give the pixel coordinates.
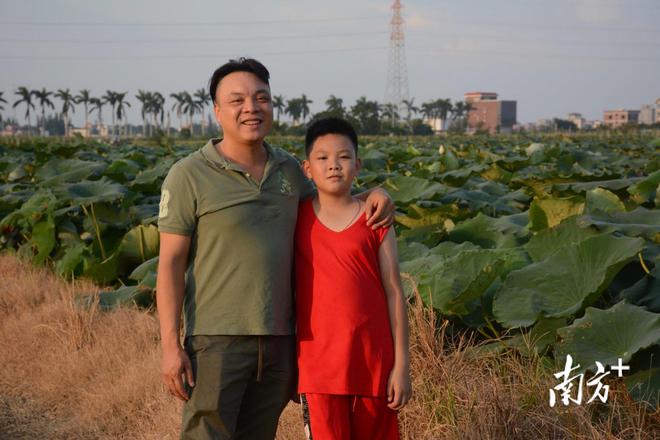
(242, 384)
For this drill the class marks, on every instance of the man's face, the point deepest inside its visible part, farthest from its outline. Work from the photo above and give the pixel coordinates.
(332, 164)
(243, 107)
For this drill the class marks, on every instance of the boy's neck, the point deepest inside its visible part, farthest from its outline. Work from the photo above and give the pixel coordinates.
(328, 201)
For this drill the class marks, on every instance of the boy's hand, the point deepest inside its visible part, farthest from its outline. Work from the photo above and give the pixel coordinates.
(399, 389)
(379, 209)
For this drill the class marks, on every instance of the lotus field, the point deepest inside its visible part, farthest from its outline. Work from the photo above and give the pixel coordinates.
(549, 246)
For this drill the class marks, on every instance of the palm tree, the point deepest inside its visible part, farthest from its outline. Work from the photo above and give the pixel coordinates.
(202, 98)
(278, 103)
(190, 107)
(294, 109)
(158, 108)
(97, 104)
(25, 96)
(68, 102)
(443, 108)
(121, 109)
(44, 101)
(335, 106)
(390, 111)
(145, 99)
(410, 108)
(84, 98)
(111, 98)
(460, 109)
(179, 99)
(366, 113)
(2, 100)
(304, 108)
(428, 110)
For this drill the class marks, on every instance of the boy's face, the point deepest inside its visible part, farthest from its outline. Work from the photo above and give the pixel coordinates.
(332, 164)
(243, 107)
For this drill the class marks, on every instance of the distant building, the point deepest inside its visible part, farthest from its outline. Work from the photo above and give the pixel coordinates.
(11, 130)
(657, 111)
(436, 124)
(544, 124)
(489, 113)
(85, 131)
(617, 118)
(577, 119)
(647, 115)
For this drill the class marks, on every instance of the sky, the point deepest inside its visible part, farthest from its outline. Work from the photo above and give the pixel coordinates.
(551, 56)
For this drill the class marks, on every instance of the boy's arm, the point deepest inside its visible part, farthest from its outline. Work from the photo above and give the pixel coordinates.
(379, 209)
(170, 286)
(399, 389)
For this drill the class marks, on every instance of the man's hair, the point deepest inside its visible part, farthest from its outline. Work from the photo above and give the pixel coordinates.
(330, 125)
(240, 65)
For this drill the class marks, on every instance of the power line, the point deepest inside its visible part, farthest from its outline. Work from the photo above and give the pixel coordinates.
(195, 23)
(500, 37)
(190, 40)
(151, 56)
(532, 55)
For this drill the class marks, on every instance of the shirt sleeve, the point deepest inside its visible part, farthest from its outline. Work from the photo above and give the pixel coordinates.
(177, 208)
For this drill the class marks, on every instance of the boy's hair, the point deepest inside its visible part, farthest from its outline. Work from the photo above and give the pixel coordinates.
(330, 125)
(240, 65)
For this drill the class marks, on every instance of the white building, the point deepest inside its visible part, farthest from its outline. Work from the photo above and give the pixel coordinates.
(577, 119)
(647, 115)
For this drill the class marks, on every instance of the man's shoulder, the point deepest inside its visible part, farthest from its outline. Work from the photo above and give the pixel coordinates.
(282, 156)
(190, 163)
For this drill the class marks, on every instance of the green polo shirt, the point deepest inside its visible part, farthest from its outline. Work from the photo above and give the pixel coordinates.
(238, 279)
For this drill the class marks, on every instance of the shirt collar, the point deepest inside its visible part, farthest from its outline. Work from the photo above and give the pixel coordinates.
(211, 154)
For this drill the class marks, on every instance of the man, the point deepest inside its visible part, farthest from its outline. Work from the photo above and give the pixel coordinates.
(227, 218)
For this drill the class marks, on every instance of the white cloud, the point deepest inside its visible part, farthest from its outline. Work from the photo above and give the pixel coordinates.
(597, 11)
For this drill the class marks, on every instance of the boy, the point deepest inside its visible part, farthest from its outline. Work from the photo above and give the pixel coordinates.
(352, 331)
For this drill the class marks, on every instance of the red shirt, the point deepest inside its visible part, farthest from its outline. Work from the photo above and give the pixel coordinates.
(343, 328)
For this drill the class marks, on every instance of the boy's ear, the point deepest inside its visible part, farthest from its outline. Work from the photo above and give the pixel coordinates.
(306, 169)
(358, 164)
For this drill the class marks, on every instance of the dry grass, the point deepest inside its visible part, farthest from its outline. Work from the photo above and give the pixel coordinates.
(73, 373)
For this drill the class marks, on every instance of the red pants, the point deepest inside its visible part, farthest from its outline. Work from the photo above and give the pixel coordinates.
(338, 417)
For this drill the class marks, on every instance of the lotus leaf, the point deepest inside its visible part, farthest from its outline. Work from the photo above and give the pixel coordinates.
(600, 199)
(90, 191)
(489, 232)
(607, 335)
(550, 240)
(549, 212)
(140, 243)
(639, 222)
(43, 239)
(68, 170)
(127, 296)
(565, 282)
(455, 285)
(71, 259)
(646, 190)
(407, 189)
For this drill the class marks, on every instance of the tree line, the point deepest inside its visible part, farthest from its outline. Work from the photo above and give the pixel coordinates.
(368, 116)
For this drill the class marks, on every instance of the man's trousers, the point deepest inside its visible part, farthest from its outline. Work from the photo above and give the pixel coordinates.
(242, 384)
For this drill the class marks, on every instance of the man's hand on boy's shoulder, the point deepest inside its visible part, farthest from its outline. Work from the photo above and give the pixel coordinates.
(379, 209)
